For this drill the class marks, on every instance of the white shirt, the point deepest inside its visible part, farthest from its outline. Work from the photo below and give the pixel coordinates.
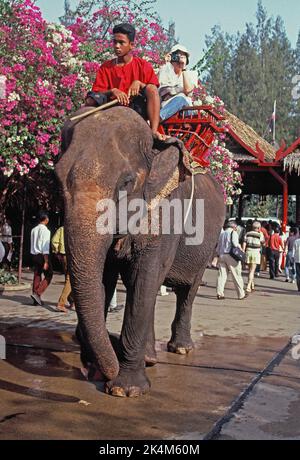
(6, 234)
(40, 240)
(224, 245)
(296, 251)
(2, 251)
(169, 79)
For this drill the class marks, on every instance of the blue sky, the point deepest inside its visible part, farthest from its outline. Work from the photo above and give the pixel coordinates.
(195, 18)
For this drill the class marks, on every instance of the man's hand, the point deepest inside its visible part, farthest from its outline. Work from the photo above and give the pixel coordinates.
(135, 89)
(45, 266)
(122, 98)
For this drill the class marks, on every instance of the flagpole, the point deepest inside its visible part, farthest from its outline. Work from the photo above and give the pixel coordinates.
(274, 122)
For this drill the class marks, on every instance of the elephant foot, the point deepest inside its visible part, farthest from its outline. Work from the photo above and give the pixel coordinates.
(180, 348)
(128, 384)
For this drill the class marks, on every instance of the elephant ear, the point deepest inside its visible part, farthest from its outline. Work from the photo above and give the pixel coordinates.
(68, 131)
(66, 137)
(164, 173)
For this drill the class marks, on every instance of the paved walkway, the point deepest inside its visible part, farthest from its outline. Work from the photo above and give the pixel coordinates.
(241, 382)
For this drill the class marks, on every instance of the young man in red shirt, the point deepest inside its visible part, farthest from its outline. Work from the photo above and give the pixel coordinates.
(130, 80)
(275, 247)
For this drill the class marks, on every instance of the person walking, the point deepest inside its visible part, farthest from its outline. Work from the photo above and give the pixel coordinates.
(40, 249)
(296, 260)
(114, 307)
(264, 255)
(228, 239)
(7, 241)
(2, 251)
(275, 247)
(58, 248)
(290, 269)
(252, 245)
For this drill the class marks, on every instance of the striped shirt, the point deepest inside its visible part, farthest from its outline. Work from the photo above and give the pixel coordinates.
(254, 240)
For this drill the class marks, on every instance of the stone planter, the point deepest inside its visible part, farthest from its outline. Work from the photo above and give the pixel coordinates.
(14, 287)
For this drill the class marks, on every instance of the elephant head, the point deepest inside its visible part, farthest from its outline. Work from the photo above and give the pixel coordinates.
(103, 155)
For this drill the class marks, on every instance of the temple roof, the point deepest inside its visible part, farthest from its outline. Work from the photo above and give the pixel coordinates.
(245, 136)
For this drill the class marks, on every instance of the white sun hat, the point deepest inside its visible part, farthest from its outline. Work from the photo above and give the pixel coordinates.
(181, 48)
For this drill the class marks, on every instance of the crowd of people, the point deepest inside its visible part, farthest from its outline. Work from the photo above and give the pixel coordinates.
(253, 247)
(259, 244)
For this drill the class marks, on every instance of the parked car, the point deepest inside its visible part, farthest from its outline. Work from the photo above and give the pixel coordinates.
(260, 219)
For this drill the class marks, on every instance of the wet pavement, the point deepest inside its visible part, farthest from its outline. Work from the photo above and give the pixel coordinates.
(240, 382)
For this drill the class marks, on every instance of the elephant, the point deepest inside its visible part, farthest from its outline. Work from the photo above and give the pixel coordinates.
(104, 154)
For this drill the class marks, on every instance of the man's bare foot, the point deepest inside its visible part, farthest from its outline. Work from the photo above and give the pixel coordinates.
(159, 136)
(61, 309)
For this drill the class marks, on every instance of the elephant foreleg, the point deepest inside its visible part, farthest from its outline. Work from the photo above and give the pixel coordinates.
(141, 297)
(150, 354)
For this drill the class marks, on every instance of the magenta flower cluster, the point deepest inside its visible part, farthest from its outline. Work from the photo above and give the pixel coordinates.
(48, 71)
(222, 164)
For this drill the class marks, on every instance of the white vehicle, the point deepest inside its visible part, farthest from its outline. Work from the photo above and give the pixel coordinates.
(259, 219)
(265, 219)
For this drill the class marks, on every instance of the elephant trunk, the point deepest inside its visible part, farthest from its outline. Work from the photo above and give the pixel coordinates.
(86, 251)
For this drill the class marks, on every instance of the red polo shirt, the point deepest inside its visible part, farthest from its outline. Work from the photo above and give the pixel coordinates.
(276, 242)
(111, 76)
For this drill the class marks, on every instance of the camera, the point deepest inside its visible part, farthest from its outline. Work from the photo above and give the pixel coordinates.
(175, 57)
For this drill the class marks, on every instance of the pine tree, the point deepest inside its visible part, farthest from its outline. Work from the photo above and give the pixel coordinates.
(253, 69)
(296, 91)
(217, 61)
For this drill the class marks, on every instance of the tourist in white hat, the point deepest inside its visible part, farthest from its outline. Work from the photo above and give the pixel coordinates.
(176, 82)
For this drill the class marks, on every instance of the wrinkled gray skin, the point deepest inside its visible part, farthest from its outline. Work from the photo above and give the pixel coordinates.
(104, 154)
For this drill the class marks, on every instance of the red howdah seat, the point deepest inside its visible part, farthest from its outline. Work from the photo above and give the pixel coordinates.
(196, 126)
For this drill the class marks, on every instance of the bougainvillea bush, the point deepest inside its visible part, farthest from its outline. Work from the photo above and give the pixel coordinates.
(42, 86)
(48, 70)
(222, 165)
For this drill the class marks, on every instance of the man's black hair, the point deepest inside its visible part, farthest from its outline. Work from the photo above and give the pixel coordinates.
(43, 216)
(126, 29)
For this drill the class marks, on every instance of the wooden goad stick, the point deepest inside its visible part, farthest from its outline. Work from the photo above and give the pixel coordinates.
(97, 109)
